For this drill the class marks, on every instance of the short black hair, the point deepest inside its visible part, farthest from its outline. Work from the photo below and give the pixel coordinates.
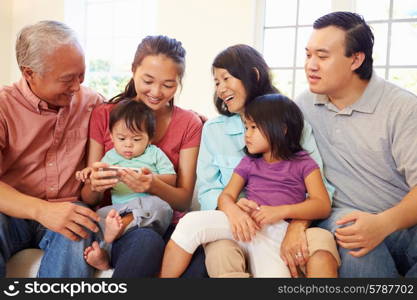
(246, 64)
(359, 37)
(137, 116)
(280, 120)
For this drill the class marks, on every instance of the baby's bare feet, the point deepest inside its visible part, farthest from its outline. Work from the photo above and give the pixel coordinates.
(96, 257)
(113, 226)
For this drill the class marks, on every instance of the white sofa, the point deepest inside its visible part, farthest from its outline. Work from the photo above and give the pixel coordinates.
(25, 263)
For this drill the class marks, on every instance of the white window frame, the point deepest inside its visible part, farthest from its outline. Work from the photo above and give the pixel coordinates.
(337, 5)
(76, 16)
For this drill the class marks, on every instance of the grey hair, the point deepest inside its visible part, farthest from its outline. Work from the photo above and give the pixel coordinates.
(37, 41)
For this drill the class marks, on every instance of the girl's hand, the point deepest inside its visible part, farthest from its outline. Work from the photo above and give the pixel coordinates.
(84, 174)
(101, 180)
(269, 214)
(137, 182)
(247, 205)
(242, 225)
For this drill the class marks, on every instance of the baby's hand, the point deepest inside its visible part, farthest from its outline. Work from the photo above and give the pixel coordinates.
(84, 174)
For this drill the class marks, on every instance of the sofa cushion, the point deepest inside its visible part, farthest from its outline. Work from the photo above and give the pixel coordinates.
(25, 264)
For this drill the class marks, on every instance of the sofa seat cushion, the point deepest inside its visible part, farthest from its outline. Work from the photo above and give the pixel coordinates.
(25, 264)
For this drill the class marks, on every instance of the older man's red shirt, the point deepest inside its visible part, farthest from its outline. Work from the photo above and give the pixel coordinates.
(41, 149)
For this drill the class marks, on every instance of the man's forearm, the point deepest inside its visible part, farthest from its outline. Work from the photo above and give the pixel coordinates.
(16, 204)
(403, 215)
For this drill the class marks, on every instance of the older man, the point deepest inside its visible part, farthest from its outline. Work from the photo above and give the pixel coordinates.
(366, 131)
(43, 134)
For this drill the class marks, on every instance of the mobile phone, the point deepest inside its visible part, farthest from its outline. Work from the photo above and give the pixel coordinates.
(117, 168)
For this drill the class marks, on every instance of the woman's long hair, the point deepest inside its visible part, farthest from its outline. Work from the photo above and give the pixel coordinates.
(246, 64)
(154, 45)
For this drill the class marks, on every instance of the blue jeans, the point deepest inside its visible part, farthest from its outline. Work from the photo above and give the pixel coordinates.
(139, 252)
(395, 256)
(62, 257)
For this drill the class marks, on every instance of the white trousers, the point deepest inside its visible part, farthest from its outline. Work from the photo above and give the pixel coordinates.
(262, 252)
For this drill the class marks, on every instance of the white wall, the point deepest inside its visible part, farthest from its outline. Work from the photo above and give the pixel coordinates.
(21, 13)
(5, 40)
(205, 27)
(28, 12)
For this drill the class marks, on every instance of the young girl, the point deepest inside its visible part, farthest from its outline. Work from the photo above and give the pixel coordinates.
(132, 127)
(275, 176)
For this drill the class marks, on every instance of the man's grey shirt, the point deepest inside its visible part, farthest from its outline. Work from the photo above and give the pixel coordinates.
(369, 149)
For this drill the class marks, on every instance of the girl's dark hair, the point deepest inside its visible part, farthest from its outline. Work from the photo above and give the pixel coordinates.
(154, 45)
(280, 120)
(359, 37)
(246, 64)
(137, 116)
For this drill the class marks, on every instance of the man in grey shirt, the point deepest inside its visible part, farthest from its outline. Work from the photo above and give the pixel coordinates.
(366, 131)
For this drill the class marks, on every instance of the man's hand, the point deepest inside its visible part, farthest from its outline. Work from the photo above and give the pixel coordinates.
(68, 219)
(294, 247)
(367, 231)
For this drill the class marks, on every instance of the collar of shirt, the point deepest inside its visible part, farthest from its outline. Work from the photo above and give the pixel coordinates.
(366, 103)
(35, 102)
(234, 125)
(235, 128)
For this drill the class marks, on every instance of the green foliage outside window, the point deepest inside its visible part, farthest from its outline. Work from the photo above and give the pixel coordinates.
(101, 79)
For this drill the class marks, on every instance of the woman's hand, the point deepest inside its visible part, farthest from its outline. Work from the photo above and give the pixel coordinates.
(101, 180)
(137, 182)
(294, 247)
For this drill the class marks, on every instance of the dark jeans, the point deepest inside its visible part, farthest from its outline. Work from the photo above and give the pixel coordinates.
(139, 252)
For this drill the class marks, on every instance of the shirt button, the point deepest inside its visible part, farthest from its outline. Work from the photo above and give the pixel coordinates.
(50, 164)
(51, 188)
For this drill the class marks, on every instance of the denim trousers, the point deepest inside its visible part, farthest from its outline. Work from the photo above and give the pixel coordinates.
(138, 253)
(62, 257)
(395, 256)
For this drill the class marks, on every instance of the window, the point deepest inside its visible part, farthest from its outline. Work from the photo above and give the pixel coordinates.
(110, 31)
(288, 24)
